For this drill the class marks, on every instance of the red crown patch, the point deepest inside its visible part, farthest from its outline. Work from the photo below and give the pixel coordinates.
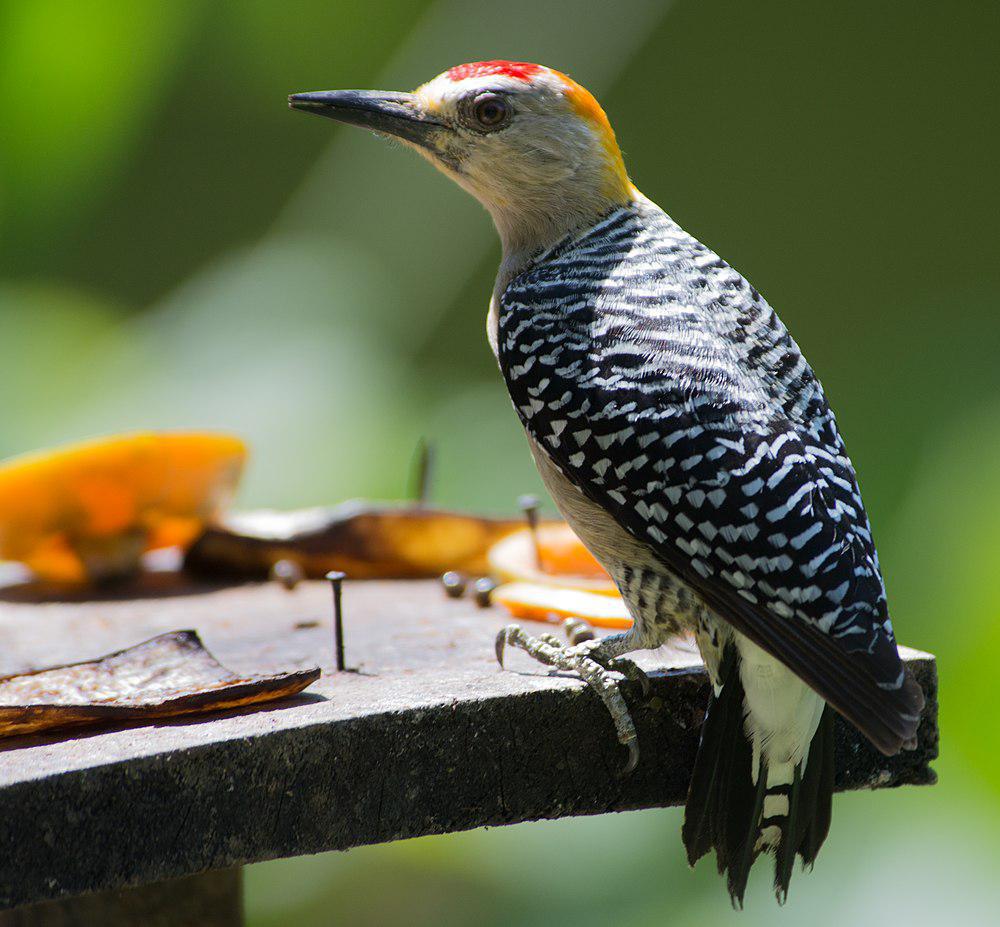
(519, 70)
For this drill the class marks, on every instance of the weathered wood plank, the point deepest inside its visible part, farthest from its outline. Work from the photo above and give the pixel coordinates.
(429, 737)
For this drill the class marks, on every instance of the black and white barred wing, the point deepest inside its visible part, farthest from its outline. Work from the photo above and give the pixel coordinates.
(646, 404)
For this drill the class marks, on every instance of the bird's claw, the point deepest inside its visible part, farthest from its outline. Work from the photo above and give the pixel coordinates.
(632, 672)
(499, 646)
(585, 660)
(633, 759)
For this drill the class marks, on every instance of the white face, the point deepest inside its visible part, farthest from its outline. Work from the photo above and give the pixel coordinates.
(528, 142)
(521, 146)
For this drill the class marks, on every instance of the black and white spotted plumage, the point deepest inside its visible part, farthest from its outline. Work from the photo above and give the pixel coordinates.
(666, 389)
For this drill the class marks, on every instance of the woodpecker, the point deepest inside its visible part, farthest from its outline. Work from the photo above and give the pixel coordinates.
(684, 437)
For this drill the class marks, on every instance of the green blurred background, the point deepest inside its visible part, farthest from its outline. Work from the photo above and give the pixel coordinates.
(179, 250)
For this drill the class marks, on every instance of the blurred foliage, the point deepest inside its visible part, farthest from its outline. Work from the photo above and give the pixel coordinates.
(179, 250)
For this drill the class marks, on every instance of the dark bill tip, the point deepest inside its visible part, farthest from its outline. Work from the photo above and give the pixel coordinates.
(303, 101)
(397, 114)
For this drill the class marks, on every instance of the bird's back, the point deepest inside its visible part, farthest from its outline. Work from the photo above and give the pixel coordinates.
(666, 389)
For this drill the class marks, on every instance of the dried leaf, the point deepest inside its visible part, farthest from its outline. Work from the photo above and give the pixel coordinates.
(169, 675)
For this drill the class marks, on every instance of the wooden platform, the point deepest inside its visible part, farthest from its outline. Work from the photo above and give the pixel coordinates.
(428, 736)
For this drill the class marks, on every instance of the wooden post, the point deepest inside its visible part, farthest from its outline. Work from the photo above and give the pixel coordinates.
(209, 899)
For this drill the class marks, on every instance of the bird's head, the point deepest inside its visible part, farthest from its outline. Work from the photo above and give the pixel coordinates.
(528, 142)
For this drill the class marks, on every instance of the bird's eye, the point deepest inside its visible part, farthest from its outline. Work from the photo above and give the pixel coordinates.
(490, 110)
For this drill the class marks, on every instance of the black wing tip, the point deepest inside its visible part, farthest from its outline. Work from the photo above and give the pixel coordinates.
(901, 722)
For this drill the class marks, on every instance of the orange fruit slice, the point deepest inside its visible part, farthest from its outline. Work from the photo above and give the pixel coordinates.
(537, 602)
(565, 562)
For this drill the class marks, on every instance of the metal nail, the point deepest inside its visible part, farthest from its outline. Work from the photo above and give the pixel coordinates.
(422, 472)
(529, 505)
(288, 573)
(336, 580)
(578, 630)
(454, 584)
(482, 589)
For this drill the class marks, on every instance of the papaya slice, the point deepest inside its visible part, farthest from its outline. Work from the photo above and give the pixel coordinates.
(90, 511)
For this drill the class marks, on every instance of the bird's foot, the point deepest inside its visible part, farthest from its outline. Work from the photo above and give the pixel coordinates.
(590, 661)
(632, 672)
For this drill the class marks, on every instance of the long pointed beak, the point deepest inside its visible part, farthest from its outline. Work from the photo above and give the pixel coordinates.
(396, 114)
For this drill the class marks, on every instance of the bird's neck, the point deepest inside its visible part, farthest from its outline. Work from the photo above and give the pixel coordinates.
(526, 233)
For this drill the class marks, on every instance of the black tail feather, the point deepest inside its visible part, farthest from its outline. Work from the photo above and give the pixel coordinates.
(739, 868)
(701, 830)
(724, 806)
(784, 859)
(818, 786)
